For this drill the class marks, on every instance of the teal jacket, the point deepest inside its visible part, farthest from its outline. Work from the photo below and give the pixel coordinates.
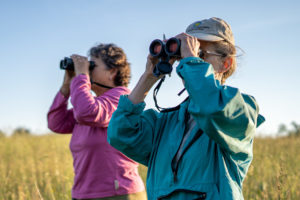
(218, 151)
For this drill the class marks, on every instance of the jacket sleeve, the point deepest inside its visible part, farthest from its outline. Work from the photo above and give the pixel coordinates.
(223, 113)
(60, 119)
(89, 110)
(131, 130)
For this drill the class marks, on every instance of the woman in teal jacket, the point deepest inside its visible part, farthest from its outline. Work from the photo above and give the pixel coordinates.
(203, 149)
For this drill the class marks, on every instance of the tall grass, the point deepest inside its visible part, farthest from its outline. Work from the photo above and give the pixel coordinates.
(34, 167)
(40, 167)
(275, 170)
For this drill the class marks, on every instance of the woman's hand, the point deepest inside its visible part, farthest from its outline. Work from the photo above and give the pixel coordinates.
(189, 45)
(65, 88)
(81, 64)
(150, 65)
(147, 80)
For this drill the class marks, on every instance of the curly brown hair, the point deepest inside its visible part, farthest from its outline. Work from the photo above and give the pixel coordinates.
(114, 58)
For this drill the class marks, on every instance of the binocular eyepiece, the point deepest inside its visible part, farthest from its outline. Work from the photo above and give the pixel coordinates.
(68, 64)
(164, 51)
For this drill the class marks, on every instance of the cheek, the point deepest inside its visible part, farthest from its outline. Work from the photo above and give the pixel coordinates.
(100, 75)
(217, 64)
(96, 72)
(210, 61)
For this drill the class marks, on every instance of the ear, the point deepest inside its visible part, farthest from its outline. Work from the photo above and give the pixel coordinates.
(227, 64)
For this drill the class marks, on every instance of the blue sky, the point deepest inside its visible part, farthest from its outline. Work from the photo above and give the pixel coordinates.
(35, 35)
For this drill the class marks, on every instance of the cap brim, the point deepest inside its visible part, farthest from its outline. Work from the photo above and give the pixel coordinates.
(206, 37)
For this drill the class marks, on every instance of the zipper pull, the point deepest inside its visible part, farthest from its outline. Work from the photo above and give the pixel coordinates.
(175, 176)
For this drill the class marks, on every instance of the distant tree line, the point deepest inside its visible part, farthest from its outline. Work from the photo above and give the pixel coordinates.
(21, 131)
(282, 130)
(2, 134)
(17, 132)
(294, 131)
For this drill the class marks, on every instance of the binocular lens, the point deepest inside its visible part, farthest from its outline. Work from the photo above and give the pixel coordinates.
(173, 47)
(157, 48)
(164, 50)
(67, 64)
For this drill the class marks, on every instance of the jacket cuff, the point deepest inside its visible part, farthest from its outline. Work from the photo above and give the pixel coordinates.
(126, 105)
(61, 97)
(189, 61)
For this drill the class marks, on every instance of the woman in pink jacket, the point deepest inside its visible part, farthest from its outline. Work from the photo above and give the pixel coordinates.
(101, 172)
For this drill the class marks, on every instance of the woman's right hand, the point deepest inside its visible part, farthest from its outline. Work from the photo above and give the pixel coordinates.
(147, 80)
(150, 65)
(151, 62)
(65, 88)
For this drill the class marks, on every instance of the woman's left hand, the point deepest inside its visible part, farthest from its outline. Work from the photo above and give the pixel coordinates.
(81, 64)
(189, 45)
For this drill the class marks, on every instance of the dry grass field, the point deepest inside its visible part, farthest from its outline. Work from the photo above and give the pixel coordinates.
(40, 167)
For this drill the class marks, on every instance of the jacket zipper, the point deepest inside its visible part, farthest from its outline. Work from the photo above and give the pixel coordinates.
(174, 164)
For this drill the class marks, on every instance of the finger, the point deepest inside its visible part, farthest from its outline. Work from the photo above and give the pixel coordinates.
(179, 36)
(74, 56)
(188, 35)
(172, 60)
(152, 59)
(78, 57)
(150, 56)
(82, 58)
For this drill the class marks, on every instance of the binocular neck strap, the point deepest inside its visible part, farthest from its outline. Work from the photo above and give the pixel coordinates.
(163, 110)
(100, 85)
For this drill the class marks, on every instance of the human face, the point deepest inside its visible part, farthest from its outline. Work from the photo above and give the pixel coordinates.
(211, 56)
(102, 74)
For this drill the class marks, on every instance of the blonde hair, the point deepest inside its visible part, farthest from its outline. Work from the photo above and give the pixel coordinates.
(229, 50)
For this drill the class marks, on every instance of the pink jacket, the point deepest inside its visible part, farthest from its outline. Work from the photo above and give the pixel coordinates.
(100, 170)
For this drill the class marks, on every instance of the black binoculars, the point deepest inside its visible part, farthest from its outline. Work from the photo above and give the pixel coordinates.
(170, 48)
(164, 51)
(68, 64)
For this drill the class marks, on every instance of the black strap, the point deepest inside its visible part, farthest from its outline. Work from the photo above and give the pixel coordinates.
(100, 85)
(155, 91)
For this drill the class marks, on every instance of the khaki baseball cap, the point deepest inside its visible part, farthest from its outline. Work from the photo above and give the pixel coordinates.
(213, 29)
